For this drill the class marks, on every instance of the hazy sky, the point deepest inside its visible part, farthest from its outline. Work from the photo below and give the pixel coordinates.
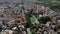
(12, 0)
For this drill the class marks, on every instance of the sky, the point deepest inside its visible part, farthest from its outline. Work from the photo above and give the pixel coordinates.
(12, 0)
(16, 0)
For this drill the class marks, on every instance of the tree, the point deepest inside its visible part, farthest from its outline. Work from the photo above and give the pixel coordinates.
(58, 27)
(44, 19)
(28, 24)
(52, 2)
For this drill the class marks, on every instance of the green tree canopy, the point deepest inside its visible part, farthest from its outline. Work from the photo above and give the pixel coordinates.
(44, 19)
(58, 27)
(52, 2)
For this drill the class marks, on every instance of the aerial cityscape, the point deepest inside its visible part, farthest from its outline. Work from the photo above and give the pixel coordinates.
(29, 16)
